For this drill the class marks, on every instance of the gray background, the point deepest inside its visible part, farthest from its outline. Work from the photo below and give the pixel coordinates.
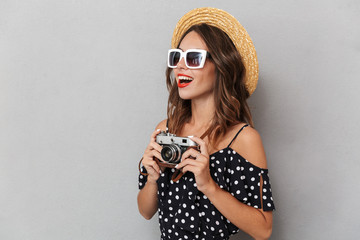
(82, 88)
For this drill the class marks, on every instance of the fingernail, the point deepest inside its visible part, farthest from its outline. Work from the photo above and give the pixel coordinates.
(160, 172)
(158, 129)
(176, 166)
(190, 136)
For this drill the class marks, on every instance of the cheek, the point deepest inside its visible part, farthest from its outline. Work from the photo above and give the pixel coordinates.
(211, 78)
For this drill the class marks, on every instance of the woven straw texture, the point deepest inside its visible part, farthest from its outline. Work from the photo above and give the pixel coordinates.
(237, 33)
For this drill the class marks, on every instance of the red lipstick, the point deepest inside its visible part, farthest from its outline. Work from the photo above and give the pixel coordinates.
(184, 80)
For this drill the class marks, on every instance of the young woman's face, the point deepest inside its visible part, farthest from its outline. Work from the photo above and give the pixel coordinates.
(202, 80)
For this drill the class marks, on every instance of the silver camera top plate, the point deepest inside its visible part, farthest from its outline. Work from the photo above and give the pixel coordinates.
(168, 138)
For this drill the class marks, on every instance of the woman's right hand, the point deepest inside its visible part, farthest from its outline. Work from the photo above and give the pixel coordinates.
(151, 151)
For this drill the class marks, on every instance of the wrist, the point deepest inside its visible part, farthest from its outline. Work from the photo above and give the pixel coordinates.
(151, 180)
(210, 189)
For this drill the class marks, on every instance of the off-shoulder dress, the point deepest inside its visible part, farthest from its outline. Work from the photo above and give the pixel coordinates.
(186, 213)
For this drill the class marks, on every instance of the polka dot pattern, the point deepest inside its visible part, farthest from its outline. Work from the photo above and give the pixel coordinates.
(186, 213)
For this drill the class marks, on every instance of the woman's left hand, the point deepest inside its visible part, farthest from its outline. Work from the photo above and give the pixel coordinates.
(197, 162)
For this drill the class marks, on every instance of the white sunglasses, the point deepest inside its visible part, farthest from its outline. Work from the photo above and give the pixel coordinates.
(194, 58)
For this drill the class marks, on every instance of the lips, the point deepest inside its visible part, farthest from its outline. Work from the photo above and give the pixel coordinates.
(184, 80)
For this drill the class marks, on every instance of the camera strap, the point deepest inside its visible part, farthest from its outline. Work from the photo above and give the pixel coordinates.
(175, 177)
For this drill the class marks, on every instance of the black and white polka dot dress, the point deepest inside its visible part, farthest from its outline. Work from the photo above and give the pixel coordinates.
(186, 213)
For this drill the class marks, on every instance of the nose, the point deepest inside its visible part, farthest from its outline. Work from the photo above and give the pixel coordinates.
(181, 64)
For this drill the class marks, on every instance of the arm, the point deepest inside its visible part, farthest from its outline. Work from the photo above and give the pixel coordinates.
(147, 196)
(147, 199)
(255, 222)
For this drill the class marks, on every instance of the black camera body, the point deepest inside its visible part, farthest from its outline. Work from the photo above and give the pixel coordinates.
(173, 146)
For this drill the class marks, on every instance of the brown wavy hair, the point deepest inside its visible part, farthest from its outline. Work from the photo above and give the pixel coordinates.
(230, 92)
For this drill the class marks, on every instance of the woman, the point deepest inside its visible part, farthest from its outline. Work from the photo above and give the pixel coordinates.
(212, 70)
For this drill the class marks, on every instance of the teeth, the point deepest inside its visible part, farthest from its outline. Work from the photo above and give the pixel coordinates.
(185, 78)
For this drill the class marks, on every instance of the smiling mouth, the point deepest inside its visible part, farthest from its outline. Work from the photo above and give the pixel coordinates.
(184, 81)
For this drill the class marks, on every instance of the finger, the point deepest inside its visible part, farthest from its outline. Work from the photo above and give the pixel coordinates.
(187, 161)
(202, 144)
(153, 135)
(150, 153)
(155, 145)
(149, 157)
(190, 168)
(190, 153)
(155, 166)
(155, 153)
(150, 165)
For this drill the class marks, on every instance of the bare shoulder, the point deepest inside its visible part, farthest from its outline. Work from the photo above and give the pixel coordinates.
(161, 125)
(249, 145)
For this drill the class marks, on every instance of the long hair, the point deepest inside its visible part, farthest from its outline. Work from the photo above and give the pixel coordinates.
(230, 93)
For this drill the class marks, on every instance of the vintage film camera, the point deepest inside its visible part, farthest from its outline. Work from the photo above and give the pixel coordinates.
(173, 146)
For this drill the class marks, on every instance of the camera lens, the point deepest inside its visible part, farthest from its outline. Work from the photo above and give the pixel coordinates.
(171, 153)
(168, 153)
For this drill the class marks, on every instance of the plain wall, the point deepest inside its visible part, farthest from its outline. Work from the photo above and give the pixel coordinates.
(82, 87)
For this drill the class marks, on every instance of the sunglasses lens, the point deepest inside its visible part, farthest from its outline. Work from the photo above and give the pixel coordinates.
(193, 59)
(174, 58)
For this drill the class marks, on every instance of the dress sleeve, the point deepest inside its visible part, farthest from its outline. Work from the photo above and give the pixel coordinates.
(142, 178)
(245, 182)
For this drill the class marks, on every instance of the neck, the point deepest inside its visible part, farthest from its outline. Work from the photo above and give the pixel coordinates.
(202, 112)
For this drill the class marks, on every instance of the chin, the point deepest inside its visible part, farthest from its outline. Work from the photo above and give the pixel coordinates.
(191, 95)
(185, 96)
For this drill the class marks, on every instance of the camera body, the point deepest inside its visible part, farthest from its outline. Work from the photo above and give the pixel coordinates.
(173, 146)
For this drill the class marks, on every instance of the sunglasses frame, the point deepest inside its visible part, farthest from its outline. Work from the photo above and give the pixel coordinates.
(205, 54)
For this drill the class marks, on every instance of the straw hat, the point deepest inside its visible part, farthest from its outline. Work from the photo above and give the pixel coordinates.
(237, 33)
